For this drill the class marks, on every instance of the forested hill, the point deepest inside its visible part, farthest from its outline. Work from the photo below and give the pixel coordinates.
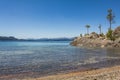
(11, 38)
(4, 38)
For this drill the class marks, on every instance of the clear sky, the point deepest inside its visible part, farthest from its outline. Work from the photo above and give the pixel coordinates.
(54, 18)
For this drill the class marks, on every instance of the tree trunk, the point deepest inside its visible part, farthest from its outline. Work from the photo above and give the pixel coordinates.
(110, 23)
(100, 31)
(87, 31)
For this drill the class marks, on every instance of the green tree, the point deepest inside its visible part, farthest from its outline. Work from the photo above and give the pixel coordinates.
(80, 35)
(100, 28)
(87, 26)
(110, 17)
(110, 35)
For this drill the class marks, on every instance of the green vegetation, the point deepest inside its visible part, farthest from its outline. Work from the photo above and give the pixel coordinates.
(100, 28)
(109, 39)
(86, 34)
(110, 35)
(87, 26)
(102, 35)
(80, 35)
(110, 17)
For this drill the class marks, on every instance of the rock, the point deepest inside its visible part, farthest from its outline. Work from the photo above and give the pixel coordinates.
(74, 43)
(78, 37)
(102, 46)
(116, 32)
(117, 40)
(93, 35)
(101, 38)
(116, 45)
(95, 40)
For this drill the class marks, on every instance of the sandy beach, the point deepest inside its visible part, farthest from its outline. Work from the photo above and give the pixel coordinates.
(111, 73)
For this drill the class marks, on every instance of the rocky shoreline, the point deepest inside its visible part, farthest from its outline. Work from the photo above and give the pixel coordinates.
(97, 40)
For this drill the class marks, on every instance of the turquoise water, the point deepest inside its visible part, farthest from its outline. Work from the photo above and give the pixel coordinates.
(49, 56)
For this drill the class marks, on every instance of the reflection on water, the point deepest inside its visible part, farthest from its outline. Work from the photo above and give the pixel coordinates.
(47, 57)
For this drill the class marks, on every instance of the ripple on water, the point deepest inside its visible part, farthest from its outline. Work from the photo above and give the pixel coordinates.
(47, 57)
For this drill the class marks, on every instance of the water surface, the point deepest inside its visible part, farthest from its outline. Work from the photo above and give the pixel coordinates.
(51, 56)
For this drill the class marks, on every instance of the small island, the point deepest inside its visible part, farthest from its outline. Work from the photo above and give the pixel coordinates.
(94, 40)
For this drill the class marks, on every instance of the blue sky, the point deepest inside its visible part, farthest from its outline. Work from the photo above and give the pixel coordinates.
(54, 18)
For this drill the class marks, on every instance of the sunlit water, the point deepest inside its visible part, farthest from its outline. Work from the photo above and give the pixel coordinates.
(46, 57)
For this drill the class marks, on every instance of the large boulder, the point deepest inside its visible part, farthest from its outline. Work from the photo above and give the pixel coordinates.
(93, 35)
(116, 32)
(117, 40)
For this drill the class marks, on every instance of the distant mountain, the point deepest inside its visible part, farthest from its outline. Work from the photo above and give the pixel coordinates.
(11, 38)
(4, 38)
(48, 39)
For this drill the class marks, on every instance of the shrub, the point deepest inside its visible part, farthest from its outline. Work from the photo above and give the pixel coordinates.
(80, 35)
(102, 35)
(86, 34)
(110, 35)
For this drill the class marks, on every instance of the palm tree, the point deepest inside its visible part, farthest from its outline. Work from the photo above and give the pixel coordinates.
(100, 28)
(87, 26)
(110, 17)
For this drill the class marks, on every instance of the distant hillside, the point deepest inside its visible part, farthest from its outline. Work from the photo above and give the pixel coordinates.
(11, 38)
(52, 39)
(4, 38)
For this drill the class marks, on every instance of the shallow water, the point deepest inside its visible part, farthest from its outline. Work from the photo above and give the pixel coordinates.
(50, 56)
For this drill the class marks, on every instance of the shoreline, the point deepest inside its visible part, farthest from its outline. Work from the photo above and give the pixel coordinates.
(109, 73)
(82, 70)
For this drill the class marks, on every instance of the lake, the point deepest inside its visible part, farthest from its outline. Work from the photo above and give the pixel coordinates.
(51, 57)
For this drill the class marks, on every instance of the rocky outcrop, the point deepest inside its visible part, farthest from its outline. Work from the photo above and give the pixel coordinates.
(116, 32)
(93, 35)
(117, 40)
(96, 40)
